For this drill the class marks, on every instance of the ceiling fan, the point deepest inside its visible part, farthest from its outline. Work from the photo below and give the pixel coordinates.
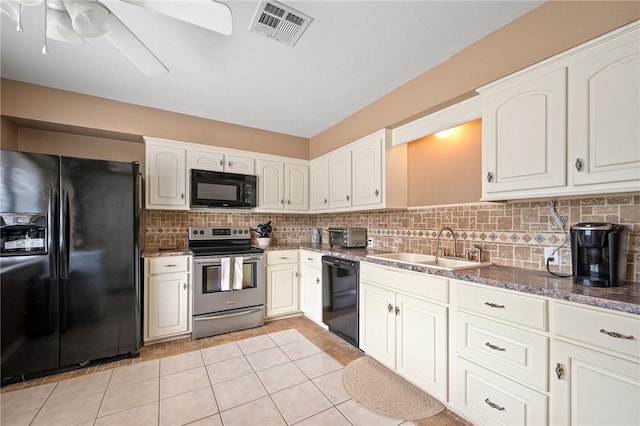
(76, 20)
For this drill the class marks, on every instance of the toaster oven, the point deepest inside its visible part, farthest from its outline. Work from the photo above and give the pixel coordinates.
(348, 237)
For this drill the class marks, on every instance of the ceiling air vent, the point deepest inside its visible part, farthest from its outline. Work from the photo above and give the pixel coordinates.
(279, 21)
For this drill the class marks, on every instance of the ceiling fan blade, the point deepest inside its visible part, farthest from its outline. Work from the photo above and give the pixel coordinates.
(208, 14)
(11, 8)
(134, 49)
(59, 27)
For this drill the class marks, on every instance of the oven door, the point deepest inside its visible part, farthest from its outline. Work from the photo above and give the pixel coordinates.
(226, 282)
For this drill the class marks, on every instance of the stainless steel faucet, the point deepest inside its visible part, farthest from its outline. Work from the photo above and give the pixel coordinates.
(478, 248)
(446, 228)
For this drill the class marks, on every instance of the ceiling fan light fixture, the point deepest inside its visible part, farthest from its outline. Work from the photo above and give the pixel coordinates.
(59, 27)
(89, 18)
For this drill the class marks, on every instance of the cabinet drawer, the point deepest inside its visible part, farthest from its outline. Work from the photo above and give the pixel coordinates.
(415, 283)
(507, 350)
(488, 398)
(607, 330)
(282, 256)
(311, 258)
(504, 305)
(162, 265)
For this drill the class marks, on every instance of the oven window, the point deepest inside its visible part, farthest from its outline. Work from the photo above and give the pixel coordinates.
(216, 191)
(214, 280)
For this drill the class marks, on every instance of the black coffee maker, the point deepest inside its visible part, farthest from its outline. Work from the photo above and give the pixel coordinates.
(599, 254)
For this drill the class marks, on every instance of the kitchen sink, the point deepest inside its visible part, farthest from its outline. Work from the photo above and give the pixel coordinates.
(428, 260)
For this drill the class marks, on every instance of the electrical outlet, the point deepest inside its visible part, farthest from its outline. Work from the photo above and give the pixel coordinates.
(369, 241)
(549, 252)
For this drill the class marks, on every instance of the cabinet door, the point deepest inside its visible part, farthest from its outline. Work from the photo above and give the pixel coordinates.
(166, 177)
(320, 185)
(604, 106)
(311, 298)
(523, 135)
(378, 324)
(282, 289)
(270, 182)
(340, 179)
(593, 388)
(205, 160)
(421, 342)
(168, 304)
(367, 172)
(296, 178)
(241, 165)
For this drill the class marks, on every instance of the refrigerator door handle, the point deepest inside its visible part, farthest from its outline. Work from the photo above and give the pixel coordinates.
(52, 232)
(64, 235)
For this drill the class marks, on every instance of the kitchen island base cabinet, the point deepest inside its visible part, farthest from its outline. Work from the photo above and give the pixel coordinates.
(167, 298)
(404, 330)
(282, 282)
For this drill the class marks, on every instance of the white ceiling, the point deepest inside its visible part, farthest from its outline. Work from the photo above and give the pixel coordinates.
(353, 53)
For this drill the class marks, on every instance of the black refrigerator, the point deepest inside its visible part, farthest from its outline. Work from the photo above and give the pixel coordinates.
(69, 262)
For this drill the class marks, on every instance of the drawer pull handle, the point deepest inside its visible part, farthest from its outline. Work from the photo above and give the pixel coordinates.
(493, 405)
(493, 305)
(309, 258)
(171, 265)
(616, 335)
(559, 371)
(284, 258)
(390, 308)
(494, 347)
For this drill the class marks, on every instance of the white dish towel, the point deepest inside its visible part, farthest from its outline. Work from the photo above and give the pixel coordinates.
(225, 279)
(237, 272)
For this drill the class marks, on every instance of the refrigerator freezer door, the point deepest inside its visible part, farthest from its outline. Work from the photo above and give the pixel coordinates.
(28, 283)
(100, 310)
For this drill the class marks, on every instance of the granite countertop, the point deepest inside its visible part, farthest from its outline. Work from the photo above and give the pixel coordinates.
(625, 298)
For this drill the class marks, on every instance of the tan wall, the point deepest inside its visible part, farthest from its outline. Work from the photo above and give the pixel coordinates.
(70, 145)
(30, 102)
(8, 135)
(549, 29)
(445, 171)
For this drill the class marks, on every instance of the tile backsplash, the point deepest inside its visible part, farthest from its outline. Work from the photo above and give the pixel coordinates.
(511, 234)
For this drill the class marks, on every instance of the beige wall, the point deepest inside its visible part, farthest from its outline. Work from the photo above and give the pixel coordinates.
(8, 135)
(42, 104)
(446, 171)
(551, 28)
(70, 145)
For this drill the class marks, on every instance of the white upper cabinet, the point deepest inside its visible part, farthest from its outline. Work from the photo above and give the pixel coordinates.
(367, 171)
(340, 179)
(524, 129)
(239, 164)
(568, 125)
(604, 114)
(283, 186)
(356, 176)
(166, 176)
(320, 184)
(205, 160)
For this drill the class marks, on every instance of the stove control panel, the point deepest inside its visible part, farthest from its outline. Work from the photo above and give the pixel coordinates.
(218, 233)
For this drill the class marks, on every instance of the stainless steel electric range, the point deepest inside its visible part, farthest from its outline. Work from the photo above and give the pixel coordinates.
(228, 280)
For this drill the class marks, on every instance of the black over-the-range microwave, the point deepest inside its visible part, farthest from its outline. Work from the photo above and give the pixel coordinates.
(220, 189)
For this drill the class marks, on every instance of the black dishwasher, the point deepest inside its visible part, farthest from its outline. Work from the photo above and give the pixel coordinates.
(340, 297)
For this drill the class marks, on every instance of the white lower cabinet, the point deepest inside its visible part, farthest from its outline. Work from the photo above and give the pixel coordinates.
(403, 324)
(595, 357)
(282, 282)
(499, 355)
(311, 283)
(167, 297)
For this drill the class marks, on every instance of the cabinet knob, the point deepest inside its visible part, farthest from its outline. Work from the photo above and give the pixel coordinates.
(184, 286)
(282, 201)
(579, 164)
(182, 195)
(489, 177)
(390, 308)
(397, 311)
(377, 192)
(317, 280)
(222, 162)
(325, 201)
(229, 164)
(559, 371)
(288, 201)
(348, 197)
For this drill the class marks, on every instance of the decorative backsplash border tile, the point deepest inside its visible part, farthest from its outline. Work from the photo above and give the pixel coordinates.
(511, 234)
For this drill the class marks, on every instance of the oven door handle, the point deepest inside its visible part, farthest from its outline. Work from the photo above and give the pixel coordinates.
(218, 260)
(235, 314)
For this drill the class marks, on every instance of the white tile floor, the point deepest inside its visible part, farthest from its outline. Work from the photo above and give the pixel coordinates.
(279, 378)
